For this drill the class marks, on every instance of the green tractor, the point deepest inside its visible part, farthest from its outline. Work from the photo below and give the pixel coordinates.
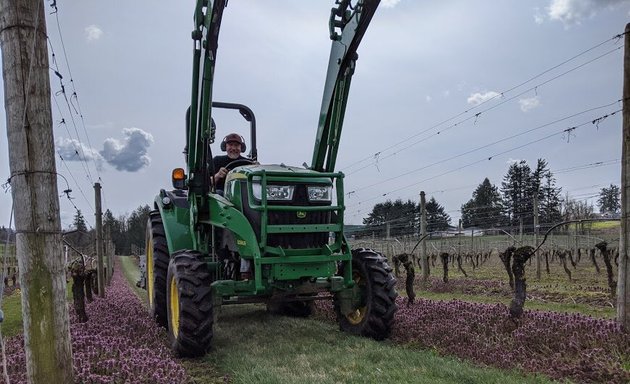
(286, 222)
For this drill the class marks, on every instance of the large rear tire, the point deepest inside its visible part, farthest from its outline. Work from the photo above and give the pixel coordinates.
(374, 316)
(156, 268)
(190, 306)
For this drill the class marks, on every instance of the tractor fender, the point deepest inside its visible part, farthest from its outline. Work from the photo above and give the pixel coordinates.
(225, 215)
(175, 215)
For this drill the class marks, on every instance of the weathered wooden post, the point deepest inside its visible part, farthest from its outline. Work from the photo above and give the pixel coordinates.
(100, 273)
(109, 254)
(538, 260)
(623, 282)
(423, 231)
(23, 42)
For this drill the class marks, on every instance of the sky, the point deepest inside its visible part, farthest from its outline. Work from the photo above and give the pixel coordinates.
(444, 95)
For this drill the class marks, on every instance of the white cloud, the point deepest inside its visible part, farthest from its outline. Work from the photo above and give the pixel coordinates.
(446, 93)
(428, 98)
(130, 153)
(93, 32)
(389, 3)
(530, 103)
(478, 98)
(571, 12)
(73, 150)
(539, 17)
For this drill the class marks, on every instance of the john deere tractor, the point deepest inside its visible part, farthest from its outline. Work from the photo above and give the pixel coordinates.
(285, 222)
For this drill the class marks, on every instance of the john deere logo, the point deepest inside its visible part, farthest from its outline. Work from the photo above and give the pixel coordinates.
(301, 214)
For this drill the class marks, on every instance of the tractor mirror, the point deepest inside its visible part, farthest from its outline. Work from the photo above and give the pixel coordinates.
(179, 178)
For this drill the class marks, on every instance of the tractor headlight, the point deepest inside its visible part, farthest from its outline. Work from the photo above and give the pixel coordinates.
(274, 192)
(319, 193)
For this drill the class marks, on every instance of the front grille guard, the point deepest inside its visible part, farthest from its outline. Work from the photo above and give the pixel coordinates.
(337, 211)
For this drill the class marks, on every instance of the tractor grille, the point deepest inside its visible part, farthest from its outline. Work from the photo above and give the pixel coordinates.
(298, 240)
(290, 240)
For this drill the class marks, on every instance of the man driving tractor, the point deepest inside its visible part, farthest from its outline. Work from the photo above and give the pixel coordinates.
(233, 144)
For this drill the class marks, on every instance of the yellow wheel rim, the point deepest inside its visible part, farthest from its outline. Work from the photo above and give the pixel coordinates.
(174, 307)
(359, 314)
(149, 266)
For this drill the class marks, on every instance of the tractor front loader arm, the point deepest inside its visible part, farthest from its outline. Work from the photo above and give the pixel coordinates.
(207, 20)
(347, 26)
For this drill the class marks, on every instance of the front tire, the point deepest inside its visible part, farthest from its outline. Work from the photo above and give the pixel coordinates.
(374, 316)
(157, 258)
(190, 306)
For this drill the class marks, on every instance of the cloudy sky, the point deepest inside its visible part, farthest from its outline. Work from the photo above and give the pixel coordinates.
(445, 94)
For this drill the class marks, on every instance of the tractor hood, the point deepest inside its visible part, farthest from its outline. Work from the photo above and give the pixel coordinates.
(282, 184)
(285, 172)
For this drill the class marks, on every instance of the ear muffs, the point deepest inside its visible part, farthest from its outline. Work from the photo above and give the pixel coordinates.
(243, 146)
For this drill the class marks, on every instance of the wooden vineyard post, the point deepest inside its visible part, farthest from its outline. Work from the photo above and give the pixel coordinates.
(109, 254)
(623, 282)
(100, 273)
(48, 352)
(538, 260)
(423, 231)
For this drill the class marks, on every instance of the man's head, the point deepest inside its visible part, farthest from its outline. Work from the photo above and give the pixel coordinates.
(234, 145)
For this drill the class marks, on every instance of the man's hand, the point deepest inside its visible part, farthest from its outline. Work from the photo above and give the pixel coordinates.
(221, 173)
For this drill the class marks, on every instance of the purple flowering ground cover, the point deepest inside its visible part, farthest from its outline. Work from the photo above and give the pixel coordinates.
(118, 344)
(562, 346)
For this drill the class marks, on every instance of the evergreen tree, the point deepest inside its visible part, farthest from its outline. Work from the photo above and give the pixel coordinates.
(7, 233)
(549, 201)
(117, 232)
(377, 219)
(609, 200)
(437, 218)
(519, 187)
(401, 217)
(516, 189)
(485, 209)
(136, 225)
(79, 222)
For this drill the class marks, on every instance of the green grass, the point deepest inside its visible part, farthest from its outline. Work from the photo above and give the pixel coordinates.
(132, 274)
(12, 308)
(606, 224)
(253, 346)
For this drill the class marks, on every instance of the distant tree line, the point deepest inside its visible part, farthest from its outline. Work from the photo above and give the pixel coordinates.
(6, 233)
(126, 230)
(511, 205)
(403, 218)
(522, 187)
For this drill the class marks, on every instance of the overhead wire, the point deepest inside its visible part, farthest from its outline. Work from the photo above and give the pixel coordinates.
(74, 91)
(381, 158)
(355, 213)
(377, 155)
(80, 152)
(484, 146)
(489, 158)
(75, 181)
(62, 122)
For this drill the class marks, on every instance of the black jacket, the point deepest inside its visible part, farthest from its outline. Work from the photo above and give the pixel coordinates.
(219, 162)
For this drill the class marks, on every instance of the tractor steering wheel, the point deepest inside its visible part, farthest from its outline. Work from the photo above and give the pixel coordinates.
(237, 163)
